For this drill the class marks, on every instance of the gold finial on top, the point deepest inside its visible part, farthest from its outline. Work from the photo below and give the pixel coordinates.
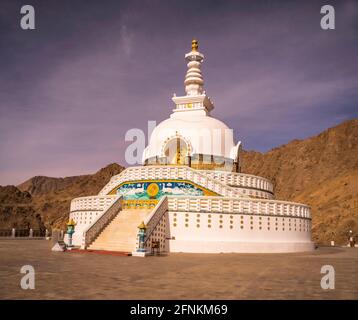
(194, 45)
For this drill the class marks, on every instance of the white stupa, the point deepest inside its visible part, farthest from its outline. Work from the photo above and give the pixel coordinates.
(189, 195)
(191, 127)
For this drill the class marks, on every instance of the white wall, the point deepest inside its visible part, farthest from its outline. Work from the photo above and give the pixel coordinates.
(217, 232)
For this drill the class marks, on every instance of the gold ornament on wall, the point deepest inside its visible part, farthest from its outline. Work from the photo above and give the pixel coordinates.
(152, 190)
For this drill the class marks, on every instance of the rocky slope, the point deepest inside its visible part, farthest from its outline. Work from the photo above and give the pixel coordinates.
(51, 197)
(17, 210)
(321, 171)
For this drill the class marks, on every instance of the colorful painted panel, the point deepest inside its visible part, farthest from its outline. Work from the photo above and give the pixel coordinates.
(157, 189)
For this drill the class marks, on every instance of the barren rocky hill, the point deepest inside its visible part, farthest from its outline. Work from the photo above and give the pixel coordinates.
(17, 210)
(82, 185)
(321, 171)
(51, 197)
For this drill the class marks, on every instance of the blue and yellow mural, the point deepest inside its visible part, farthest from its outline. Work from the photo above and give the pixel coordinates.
(154, 189)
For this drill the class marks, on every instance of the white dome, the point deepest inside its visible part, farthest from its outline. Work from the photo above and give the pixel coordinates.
(201, 133)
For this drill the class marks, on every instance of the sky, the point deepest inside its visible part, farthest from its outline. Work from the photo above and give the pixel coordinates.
(92, 70)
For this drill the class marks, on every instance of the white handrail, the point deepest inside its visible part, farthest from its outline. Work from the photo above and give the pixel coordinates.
(238, 206)
(243, 180)
(154, 218)
(92, 202)
(172, 172)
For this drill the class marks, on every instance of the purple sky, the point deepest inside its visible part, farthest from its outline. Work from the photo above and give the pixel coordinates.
(91, 70)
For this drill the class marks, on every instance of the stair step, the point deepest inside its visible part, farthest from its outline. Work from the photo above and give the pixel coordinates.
(121, 233)
(115, 243)
(105, 247)
(114, 248)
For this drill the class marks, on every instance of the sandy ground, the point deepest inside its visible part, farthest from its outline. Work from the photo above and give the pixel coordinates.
(176, 276)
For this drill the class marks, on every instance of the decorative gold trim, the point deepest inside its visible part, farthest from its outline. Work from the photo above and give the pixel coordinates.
(142, 225)
(207, 192)
(152, 190)
(71, 222)
(139, 204)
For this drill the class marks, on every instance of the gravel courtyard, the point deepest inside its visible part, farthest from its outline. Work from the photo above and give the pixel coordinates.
(73, 275)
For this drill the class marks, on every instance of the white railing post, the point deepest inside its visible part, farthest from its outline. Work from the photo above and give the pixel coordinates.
(155, 217)
(13, 232)
(31, 233)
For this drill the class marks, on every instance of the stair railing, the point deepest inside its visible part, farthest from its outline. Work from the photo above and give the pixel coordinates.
(92, 232)
(154, 219)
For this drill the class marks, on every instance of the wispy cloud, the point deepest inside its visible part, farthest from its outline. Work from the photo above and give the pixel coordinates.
(71, 89)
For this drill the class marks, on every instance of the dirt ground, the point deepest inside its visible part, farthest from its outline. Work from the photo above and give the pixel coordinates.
(73, 275)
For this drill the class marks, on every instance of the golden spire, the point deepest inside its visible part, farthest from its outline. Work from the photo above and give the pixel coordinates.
(194, 45)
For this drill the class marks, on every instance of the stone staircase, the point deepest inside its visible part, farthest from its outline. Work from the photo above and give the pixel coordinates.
(121, 233)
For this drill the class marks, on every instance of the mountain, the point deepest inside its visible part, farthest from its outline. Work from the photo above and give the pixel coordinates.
(321, 171)
(51, 197)
(17, 210)
(82, 185)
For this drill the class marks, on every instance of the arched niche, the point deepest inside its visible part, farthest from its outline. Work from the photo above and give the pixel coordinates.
(176, 151)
